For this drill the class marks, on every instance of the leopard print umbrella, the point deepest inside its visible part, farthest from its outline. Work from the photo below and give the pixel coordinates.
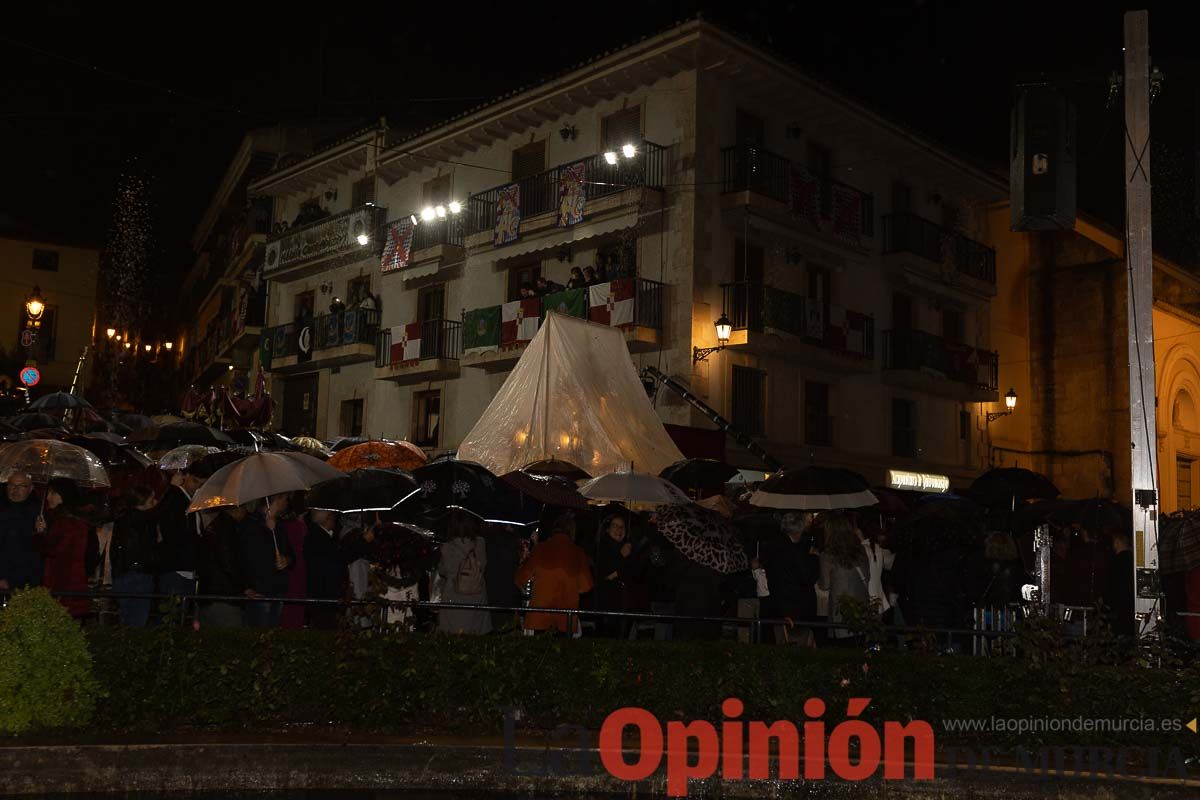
(701, 536)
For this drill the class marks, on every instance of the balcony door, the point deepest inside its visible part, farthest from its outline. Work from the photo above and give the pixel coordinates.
(621, 128)
(431, 310)
(748, 290)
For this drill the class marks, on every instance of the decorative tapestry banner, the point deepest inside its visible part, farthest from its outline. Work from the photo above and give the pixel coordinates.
(508, 215)
(572, 198)
(398, 245)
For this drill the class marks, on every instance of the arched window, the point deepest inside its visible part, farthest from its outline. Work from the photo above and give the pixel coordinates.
(1183, 412)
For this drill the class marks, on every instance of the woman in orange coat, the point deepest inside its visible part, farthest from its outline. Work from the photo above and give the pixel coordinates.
(559, 570)
(64, 542)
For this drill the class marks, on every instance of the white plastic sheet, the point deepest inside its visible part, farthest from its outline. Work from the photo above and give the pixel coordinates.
(574, 396)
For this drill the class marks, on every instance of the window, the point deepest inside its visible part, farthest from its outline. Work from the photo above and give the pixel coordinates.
(431, 302)
(617, 260)
(45, 259)
(820, 289)
(427, 416)
(46, 334)
(521, 274)
(901, 197)
(436, 191)
(964, 425)
(357, 290)
(749, 400)
(902, 312)
(1183, 478)
(529, 160)
(952, 326)
(904, 434)
(818, 423)
(620, 128)
(303, 305)
(749, 129)
(352, 417)
(362, 192)
(820, 164)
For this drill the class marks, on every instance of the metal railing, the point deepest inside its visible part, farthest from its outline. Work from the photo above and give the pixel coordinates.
(910, 233)
(828, 204)
(921, 351)
(539, 193)
(283, 340)
(756, 306)
(440, 338)
(447, 231)
(353, 326)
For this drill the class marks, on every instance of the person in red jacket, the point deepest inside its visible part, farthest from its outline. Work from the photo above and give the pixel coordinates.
(63, 539)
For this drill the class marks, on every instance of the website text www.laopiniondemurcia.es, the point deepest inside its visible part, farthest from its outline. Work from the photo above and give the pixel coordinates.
(742, 749)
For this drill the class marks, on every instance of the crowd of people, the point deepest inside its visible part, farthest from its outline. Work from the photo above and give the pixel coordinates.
(815, 571)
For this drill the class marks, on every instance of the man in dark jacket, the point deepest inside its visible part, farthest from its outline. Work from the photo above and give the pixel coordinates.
(266, 556)
(326, 563)
(220, 569)
(132, 553)
(20, 564)
(792, 570)
(179, 532)
(1119, 594)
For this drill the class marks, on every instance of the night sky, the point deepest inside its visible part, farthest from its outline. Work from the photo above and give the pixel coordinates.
(91, 93)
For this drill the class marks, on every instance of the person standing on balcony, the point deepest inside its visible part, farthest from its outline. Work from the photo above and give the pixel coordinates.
(545, 287)
(577, 280)
(589, 277)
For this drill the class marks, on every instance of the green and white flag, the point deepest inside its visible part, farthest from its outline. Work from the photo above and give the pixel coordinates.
(481, 330)
(570, 301)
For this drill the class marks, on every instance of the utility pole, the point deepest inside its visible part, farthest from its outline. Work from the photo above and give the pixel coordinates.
(1139, 259)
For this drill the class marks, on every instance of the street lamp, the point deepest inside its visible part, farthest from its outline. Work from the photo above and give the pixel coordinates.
(168, 345)
(1010, 404)
(724, 329)
(35, 306)
(111, 332)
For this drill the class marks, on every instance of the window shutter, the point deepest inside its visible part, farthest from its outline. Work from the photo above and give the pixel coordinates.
(529, 160)
(621, 127)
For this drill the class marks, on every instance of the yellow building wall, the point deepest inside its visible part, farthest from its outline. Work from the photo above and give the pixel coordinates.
(1177, 375)
(70, 291)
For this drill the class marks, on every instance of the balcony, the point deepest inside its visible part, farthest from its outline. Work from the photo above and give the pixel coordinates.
(635, 305)
(790, 195)
(928, 363)
(331, 340)
(307, 249)
(436, 243)
(942, 254)
(608, 188)
(418, 352)
(776, 321)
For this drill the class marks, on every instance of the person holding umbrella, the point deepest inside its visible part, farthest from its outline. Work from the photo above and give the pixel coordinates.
(793, 568)
(615, 567)
(179, 532)
(221, 569)
(462, 569)
(266, 557)
(559, 570)
(132, 553)
(326, 565)
(62, 536)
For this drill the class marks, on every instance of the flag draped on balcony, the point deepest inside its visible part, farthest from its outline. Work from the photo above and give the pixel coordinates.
(508, 215)
(570, 301)
(806, 195)
(612, 303)
(481, 330)
(572, 198)
(406, 343)
(397, 246)
(520, 320)
(847, 213)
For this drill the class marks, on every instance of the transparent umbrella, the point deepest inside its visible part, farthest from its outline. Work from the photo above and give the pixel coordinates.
(44, 459)
(633, 487)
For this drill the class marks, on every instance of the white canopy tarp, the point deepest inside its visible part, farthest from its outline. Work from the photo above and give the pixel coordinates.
(574, 396)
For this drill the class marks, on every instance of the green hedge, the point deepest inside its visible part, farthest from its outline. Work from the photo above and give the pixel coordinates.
(179, 679)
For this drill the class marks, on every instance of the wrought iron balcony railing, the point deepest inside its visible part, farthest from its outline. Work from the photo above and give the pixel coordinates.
(910, 233)
(440, 338)
(756, 306)
(921, 351)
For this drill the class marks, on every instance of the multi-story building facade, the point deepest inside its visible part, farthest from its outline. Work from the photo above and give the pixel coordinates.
(65, 277)
(704, 178)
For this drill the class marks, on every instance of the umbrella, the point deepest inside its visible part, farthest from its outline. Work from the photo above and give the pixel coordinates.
(557, 468)
(362, 490)
(30, 422)
(178, 433)
(464, 484)
(314, 447)
(44, 459)
(62, 434)
(134, 422)
(260, 475)
(1005, 485)
(1095, 515)
(891, 504)
(162, 420)
(106, 436)
(1179, 544)
(377, 454)
(208, 464)
(700, 476)
(701, 536)
(185, 456)
(404, 552)
(261, 440)
(546, 489)
(350, 441)
(57, 400)
(633, 487)
(820, 488)
(113, 453)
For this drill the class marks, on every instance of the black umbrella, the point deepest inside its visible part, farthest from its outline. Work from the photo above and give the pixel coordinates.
(262, 440)
(461, 483)
(362, 490)
(699, 477)
(113, 453)
(179, 433)
(403, 552)
(33, 421)
(350, 441)
(1003, 486)
(546, 489)
(952, 508)
(814, 488)
(58, 400)
(557, 468)
(133, 422)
